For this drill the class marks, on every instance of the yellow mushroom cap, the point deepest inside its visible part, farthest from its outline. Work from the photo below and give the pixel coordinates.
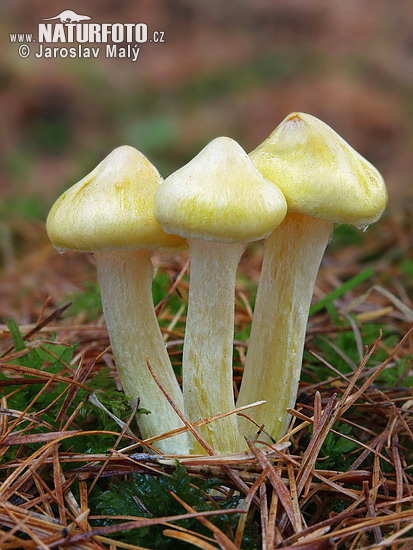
(111, 208)
(320, 174)
(219, 196)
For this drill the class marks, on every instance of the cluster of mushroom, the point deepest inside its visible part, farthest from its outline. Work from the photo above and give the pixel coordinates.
(289, 191)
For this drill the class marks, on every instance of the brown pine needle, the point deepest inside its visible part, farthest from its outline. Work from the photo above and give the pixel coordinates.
(188, 538)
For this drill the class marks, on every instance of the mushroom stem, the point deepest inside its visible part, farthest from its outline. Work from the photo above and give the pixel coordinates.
(292, 257)
(208, 345)
(125, 279)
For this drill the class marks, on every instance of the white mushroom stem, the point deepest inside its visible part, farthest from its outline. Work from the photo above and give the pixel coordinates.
(208, 345)
(292, 257)
(125, 280)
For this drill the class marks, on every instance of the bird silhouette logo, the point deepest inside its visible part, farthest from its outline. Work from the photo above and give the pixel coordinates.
(69, 16)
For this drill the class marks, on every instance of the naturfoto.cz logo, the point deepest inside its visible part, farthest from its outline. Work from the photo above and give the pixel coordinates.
(119, 40)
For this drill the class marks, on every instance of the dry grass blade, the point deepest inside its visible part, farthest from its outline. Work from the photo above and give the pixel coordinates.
(58, 484)
(37, 438)
(307, 465)
(294, 497)
(264, 515)
(247, 503)
(399, 473)
(371, 511)
(275, 480)
(273, 534)
(326, 544)
(190, 539)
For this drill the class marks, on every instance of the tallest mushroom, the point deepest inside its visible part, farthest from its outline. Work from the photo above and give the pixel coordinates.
(325, 181)
(220, 202)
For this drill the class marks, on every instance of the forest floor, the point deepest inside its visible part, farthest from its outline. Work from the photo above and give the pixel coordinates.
(74, 472)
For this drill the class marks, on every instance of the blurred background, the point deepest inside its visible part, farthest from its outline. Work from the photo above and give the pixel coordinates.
(234, 68)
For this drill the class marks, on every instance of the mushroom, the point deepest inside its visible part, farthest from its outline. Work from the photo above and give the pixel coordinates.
(220, 202)
(325, 181)
(110, 213)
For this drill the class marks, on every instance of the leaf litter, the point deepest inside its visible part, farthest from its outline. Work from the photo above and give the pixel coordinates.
(75, 473)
